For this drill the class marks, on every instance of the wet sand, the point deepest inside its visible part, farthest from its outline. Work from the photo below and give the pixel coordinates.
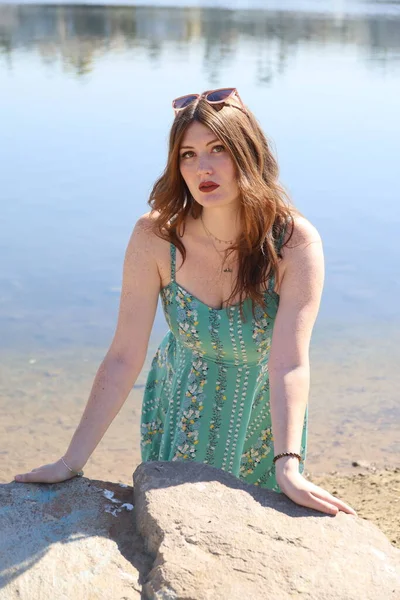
(42, 396)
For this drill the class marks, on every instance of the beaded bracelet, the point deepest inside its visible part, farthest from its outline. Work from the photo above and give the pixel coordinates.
(77, 473)
(287, 454)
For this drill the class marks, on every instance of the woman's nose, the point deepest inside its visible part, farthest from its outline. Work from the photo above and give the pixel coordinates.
(204, 166)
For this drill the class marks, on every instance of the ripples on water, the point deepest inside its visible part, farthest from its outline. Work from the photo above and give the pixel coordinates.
(85, 96)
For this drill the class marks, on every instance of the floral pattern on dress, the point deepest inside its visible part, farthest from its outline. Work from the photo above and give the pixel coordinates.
(201, 389)
(267, 477)
(220, 387)
(161, 357)
(150, 385)
(187, 319)
(167, 296)
(192, 407)
(262, 332)
(149, 431)
(263, 372)
(257, 452)
(261, 394)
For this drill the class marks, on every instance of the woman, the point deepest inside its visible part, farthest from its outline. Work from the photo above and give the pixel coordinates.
(229, 383)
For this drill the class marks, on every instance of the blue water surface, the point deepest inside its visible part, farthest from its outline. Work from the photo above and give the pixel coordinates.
(85, 107)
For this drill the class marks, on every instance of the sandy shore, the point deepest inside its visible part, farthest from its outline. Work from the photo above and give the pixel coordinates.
(375, 495)
(43, 396)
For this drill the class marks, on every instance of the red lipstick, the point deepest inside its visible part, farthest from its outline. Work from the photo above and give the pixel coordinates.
(208, 186)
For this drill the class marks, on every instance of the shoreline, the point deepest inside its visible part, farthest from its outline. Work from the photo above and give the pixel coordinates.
(43, 395)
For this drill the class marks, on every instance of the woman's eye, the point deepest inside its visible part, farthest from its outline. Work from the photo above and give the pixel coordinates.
(188, 152)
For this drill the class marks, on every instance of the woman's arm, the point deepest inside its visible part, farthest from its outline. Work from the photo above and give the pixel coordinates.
(124, 359)
(126, 355)
(289, 368)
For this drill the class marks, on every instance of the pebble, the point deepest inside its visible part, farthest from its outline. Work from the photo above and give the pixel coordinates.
(364, 464)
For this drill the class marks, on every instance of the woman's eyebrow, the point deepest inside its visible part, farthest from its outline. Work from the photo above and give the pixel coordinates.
(208, 143)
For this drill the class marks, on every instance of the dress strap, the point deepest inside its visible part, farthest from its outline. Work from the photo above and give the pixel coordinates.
(172, 249)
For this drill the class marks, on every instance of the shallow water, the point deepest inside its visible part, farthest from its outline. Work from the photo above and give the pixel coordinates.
(85, 104)
(353, 408)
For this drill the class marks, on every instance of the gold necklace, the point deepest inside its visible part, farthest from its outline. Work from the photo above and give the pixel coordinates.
(228, 269)
(215, 237)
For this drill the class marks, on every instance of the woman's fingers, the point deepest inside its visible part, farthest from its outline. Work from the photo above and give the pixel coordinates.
(322, 505)
(35, 470)
(30, 477)
(343, 506)
(326, 496)
(51, 473)
(310, 500)
(305, 493)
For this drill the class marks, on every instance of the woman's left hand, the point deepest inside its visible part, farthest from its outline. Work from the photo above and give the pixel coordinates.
(305, 493)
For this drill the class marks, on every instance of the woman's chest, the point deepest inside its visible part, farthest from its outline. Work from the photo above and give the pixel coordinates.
(209, 277)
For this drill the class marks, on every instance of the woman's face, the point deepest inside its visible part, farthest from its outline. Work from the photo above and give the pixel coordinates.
(202, 157)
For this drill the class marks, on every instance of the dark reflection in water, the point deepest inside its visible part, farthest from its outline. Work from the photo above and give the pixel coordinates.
(80, 35)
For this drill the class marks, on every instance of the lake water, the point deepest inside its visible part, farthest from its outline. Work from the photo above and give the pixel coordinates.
(85, 110)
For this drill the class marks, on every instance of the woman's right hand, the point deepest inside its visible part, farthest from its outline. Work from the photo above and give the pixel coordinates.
(51, 473)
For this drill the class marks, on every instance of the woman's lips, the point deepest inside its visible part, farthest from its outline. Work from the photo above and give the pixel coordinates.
(208, 188)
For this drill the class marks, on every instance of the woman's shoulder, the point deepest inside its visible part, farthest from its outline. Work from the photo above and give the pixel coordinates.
(301, 232)
(146, 221)
(302, 244)
(150, 241)
(144, 237)
(146, 226)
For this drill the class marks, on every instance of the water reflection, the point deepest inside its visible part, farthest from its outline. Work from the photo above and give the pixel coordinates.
(79, 36)
(81, 149)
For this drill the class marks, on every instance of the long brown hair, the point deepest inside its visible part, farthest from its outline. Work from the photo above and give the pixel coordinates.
(265, 207)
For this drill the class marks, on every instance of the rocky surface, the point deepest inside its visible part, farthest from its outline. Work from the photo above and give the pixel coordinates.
(72, 540)
(205, 535)
(213, 537)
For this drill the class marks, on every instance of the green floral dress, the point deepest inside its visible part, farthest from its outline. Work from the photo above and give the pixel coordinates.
(207, 393)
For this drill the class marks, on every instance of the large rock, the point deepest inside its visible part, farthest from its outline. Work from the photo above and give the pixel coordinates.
(73, 540)
(206, 535)
(213, 536)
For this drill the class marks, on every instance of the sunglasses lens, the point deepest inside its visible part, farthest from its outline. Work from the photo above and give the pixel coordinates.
(184, 101)
(219, 95)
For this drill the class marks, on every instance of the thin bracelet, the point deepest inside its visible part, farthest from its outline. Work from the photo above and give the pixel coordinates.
(287, 454)
(77, 473)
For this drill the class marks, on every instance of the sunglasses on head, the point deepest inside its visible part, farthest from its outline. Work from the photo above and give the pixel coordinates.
(213, 97)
